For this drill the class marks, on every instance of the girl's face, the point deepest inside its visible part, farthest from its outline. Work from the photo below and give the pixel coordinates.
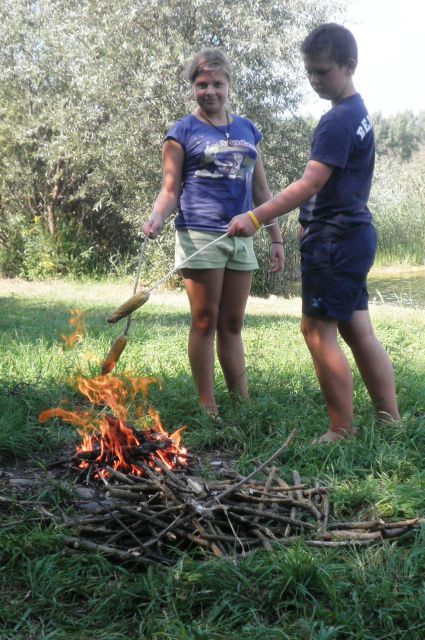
(211, 90)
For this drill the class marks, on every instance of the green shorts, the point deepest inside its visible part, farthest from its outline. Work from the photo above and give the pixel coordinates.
(229, 253)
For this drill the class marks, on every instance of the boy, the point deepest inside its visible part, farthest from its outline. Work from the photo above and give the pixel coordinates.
(338, 240)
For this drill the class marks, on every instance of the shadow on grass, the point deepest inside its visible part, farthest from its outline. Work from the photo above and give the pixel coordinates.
(32, 321)
(21, 434)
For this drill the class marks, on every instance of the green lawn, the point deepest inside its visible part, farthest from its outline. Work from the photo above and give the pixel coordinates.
(290, 593)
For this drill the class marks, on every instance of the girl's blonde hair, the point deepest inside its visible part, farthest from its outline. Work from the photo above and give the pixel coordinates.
(211, 59)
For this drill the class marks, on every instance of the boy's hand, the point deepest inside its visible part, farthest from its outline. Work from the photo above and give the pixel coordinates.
(241, 225)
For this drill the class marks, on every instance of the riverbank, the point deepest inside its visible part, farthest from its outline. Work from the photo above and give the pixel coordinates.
(397, 269)
(391, 284)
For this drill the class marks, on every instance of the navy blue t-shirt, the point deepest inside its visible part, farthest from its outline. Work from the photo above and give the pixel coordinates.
(343, 139)
(217, 173)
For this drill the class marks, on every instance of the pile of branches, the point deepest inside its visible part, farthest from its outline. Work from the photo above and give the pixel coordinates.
(143, 519)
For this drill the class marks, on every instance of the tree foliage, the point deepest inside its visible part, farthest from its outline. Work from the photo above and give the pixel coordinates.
(400, 135)
(87, 90)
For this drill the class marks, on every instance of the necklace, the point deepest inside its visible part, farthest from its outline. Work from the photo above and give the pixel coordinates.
(219, 128)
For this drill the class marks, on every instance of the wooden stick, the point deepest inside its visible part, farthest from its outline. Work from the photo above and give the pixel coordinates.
(267, 514)
(352, 535)
(130, 496)
(164, 532)
(301, 504)
(264, 541)
(169, 473)
(215, 530)
(265, 464)
(216, 549)
(161, 485)
(81, 543)
(266, 488)
(119, 476)
(325, 515)
(375, 524)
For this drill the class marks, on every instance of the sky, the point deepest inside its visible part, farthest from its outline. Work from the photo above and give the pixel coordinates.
(390, 75)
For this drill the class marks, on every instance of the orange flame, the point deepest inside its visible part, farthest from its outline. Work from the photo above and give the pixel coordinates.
(110, 438)
(76, 320)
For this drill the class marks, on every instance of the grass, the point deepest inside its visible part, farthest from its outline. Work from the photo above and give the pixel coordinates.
(292, 593)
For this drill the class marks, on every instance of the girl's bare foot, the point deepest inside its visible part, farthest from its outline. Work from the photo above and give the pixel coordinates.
(213, 415)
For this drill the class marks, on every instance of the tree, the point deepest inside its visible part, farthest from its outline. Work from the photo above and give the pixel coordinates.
(399, 135)
(89, 87)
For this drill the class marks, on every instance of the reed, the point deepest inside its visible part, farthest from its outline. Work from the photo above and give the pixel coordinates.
(398, 206)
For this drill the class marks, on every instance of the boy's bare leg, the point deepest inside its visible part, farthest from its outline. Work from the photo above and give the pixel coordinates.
(204, 288)
(230, 351)
(373, 363)
(333, 372)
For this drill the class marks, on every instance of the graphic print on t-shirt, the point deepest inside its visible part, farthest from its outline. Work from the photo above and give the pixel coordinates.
(227, 160)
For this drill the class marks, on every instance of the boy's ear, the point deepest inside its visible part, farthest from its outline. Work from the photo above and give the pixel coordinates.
(351, 65)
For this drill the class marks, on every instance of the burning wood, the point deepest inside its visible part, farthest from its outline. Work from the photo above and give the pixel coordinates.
(110, 441)
(144, 502)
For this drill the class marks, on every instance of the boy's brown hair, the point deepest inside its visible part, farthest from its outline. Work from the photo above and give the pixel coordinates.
(332, 39)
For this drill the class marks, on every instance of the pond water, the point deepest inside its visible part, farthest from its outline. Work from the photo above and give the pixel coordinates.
(405, 288)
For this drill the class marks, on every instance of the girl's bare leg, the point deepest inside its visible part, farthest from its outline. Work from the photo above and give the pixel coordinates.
(204, 289)
(235, 292)
(373, 363)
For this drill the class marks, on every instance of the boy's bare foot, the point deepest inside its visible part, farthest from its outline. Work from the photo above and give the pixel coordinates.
(330, 437)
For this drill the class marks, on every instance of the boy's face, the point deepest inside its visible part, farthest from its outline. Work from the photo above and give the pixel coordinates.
(330, 80)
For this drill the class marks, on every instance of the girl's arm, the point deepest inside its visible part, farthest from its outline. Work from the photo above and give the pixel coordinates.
(261, 193)
(168, 197)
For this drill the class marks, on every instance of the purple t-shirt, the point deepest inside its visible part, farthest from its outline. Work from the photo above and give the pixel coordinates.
(217, 173)
(343, 139)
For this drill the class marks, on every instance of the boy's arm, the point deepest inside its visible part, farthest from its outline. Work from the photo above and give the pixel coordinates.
(315, 176)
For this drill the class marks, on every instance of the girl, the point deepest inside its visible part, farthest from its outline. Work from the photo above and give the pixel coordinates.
(212, 170)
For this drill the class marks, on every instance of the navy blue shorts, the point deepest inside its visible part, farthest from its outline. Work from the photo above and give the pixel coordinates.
(333, 274)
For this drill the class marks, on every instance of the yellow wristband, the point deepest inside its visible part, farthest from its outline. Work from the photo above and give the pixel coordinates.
(255, 221)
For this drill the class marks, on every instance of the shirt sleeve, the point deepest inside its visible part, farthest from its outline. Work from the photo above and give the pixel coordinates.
(258, 136)
(177, 132)
(331, 143)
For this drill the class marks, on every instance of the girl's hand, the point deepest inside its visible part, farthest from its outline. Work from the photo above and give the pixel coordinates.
(153, 226)
(277, 258)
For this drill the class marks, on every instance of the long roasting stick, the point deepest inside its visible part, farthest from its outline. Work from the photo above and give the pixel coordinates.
(136, 278)
(186, 260)
(140, 298)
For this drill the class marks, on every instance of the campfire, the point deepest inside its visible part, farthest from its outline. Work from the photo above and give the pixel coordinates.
(109, 441)
(140, 500)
